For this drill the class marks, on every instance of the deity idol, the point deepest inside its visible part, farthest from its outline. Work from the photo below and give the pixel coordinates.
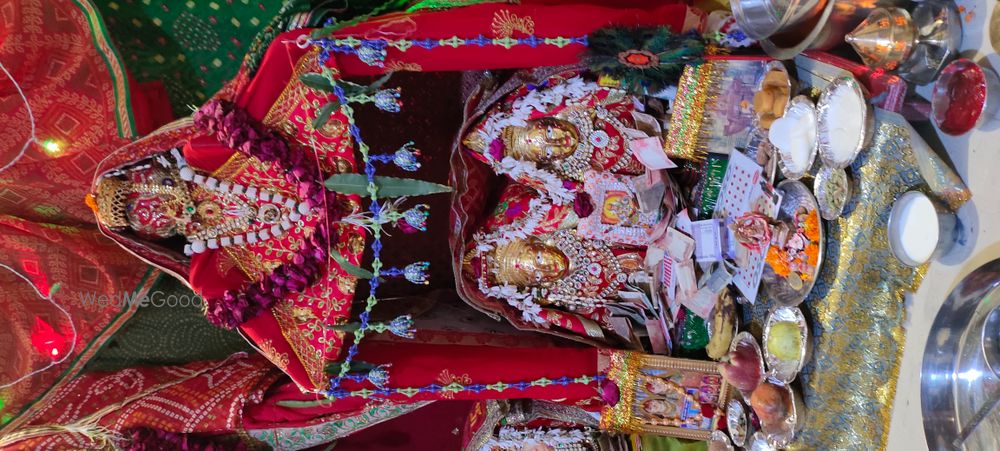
(559, 130)
(530, 254)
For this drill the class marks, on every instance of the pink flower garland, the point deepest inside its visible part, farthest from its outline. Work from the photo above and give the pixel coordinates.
(232, 126)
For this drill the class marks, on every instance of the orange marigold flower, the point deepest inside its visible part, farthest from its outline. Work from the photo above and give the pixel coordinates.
(812, 252)
(778, 260)
(811, 229)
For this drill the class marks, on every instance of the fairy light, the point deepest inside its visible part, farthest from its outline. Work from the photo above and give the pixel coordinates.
(52, 148)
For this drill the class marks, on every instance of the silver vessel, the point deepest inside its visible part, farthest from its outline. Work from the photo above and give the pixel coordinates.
(956, 380)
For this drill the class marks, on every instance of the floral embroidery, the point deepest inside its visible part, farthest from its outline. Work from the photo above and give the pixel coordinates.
(279, 360)
(506, 23)
(446, 378)
(399, 66)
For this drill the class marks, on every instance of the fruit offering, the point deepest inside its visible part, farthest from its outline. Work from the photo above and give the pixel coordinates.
(723, 325)
(772, 403)
(743, 366)
(785, 341)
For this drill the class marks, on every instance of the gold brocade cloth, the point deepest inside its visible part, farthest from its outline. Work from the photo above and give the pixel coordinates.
(856, 308)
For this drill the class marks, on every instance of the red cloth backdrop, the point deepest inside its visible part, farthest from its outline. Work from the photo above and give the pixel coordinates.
(81, 99)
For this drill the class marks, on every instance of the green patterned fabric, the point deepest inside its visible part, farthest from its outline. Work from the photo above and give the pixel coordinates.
(191, 46)
(163, 333)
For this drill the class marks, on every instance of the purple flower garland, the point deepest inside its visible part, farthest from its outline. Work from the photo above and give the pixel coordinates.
(232, 126)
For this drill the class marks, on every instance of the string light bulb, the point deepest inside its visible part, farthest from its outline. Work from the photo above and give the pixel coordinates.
(52, 148)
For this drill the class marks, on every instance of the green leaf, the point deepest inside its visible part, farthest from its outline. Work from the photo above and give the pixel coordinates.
(387, 186)
(372, 88)
(304, 404)
(317, 81)
(351, 269)
(323, 116)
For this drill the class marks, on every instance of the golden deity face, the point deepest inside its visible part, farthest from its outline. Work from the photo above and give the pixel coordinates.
(153, 202)
(530, 262)
(542, 140)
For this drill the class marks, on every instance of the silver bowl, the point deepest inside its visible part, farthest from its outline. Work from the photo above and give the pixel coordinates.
(746, 337)
(738, 422)
(939, 37)
(782, 370)
(831, 200)
(826, 127)
(947, 229)
(781, 434)
(720, 441)
(760, 19)
(802, 102)
(758, 442)
(941, 95)
(795, 195)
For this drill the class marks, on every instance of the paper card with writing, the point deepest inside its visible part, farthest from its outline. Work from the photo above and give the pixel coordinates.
(617, 217)
(708, 240)
(744, 189)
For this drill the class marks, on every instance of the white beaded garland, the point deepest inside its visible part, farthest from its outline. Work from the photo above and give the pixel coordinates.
(298, 209)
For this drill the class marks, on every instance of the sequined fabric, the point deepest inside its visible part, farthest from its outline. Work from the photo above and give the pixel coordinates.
(857, 307)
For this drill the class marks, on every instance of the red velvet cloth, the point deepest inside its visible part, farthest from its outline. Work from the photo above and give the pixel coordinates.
(545, 19)
(430, 428)
(418, 365)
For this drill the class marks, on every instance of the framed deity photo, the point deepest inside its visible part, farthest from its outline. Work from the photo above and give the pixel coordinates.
(665, 396)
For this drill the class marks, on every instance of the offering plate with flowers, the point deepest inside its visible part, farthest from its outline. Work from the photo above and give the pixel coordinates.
(796, 251)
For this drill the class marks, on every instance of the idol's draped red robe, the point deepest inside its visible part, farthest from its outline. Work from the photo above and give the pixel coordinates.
(293, 335)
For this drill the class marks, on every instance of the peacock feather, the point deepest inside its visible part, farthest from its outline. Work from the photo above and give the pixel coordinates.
(643, 60)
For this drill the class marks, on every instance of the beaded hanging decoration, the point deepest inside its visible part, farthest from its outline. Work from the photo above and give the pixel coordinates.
(456, 387)
(373, 51)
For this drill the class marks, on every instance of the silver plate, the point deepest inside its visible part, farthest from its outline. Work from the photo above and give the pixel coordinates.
(781, 370)
(738, 430)
(805, 103)
(831, 202)
(822, 110)
(955, 380)
(795, 195)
